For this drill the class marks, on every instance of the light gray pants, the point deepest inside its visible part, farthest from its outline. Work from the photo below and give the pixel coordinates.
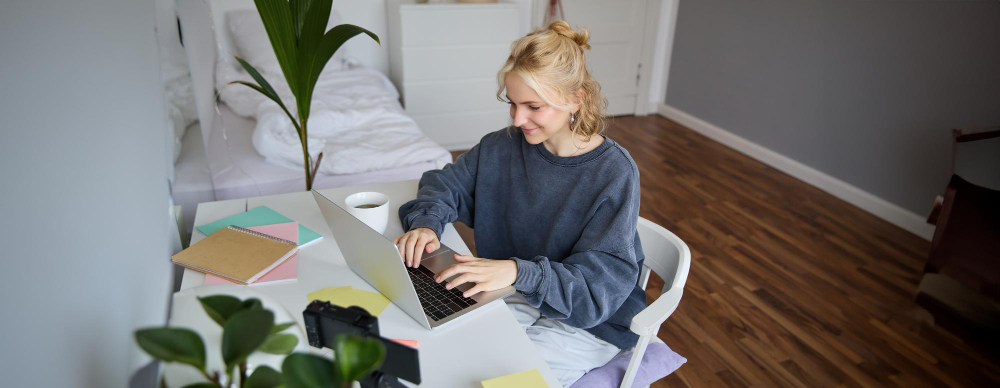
(569, 351)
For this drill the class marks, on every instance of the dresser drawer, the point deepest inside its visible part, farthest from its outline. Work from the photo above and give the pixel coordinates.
(454, 63)
(450, 97)
(430, 25)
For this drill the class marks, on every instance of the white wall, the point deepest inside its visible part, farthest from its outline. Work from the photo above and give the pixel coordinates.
(84, 190)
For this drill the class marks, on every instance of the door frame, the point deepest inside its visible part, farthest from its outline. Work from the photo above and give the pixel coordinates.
(656, 48)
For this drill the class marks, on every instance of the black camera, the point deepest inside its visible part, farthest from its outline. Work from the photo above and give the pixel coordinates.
(324, 321)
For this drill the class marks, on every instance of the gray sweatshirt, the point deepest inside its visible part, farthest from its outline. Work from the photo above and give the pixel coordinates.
(568, 222)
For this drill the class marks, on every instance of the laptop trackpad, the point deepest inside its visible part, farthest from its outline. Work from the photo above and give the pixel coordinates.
(440, 259)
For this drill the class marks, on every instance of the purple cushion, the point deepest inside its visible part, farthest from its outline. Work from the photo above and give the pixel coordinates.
(658, 362)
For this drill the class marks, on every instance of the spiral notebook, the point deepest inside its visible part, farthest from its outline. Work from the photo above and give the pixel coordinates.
(289, 270)
(237, 254)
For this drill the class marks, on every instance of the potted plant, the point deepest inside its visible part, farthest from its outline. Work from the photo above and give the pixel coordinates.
(296, 31)
(248, 327)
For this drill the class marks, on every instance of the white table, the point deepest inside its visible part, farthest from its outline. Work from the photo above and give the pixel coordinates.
(488, 344)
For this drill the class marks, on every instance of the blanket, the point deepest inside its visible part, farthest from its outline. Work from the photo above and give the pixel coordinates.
(355, 120)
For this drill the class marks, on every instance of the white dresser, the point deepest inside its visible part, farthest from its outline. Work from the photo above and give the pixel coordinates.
(444, 58)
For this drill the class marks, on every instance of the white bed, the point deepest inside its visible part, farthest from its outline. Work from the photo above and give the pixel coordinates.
(235, 168)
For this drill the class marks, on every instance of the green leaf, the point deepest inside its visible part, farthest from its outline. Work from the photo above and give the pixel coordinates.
(252, 304)
(281, 326)
(275, 99)
(264, 377)
(355, 357)
(173, 345)
(304, 370)
(277, 18)
(243, 333)
(312, 28)
(219, 307)
(279, 344)
(201, 385)
(312, 63)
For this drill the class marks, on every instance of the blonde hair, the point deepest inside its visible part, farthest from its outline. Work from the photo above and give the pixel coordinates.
(551, 62)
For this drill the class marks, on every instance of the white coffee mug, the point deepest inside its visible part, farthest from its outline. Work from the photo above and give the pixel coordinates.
(371, 208)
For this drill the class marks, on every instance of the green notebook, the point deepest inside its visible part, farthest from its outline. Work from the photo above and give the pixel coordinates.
(261, 215)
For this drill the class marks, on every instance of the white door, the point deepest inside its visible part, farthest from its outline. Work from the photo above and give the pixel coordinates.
(616, 35)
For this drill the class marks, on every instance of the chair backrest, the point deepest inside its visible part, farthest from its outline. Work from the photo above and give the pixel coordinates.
(666, 254)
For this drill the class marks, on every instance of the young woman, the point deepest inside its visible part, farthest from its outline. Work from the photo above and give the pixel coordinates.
(554, 204)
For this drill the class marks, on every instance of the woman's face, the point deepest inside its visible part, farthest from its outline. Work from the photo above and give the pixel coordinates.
(538, 121)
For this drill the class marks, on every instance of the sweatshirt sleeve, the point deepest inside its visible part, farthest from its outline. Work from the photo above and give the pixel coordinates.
(588, 286)
(444, 196)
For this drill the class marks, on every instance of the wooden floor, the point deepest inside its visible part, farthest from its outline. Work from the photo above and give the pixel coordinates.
(789, 286)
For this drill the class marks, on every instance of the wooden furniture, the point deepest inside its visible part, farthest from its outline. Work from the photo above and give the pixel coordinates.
(489, 344)
(961, 283)
(443, 58)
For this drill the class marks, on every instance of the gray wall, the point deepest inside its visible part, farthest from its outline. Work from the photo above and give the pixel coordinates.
(84, 190)
(864, 91)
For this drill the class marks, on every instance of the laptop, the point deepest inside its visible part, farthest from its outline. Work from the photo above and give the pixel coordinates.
(377, 260)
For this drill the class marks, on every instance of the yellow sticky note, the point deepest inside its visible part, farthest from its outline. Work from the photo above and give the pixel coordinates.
(374, 302)
(347, 296)
(327, 294)
(527, 379)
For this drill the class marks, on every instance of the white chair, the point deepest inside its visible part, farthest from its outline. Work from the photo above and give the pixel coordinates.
(670, 258)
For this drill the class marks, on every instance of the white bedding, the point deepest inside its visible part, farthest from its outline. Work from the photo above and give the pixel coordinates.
(356, 121)
(239, 172)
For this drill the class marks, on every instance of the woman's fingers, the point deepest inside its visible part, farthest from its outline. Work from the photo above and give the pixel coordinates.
(464, 258)
(479, 287)
(462, 279)
(433, 245)
(411, 243)
(419, 248)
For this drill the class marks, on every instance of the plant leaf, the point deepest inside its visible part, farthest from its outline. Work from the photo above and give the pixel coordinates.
(173, 345)
(201, 385)
(309, 39)
(243, 333)
(264, 377)
(219, 307)
(304, 370)
(277, 18)
(275, 99)
(252, 304)
(312, 62)
(266, 89)
(355, 356)
(279, 344)
(281, 326)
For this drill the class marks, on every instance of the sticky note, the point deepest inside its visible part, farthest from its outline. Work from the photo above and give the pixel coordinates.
(347, 296)
(527, 379)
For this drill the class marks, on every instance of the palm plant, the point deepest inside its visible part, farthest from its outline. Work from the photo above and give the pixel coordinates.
(296, 31)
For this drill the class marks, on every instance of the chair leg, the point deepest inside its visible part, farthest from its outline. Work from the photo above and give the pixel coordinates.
(636, 359)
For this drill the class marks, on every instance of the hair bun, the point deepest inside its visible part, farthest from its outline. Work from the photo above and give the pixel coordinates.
(562, 28)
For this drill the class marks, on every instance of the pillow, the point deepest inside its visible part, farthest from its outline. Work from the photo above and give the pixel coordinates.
(247, 33)
(658, 362)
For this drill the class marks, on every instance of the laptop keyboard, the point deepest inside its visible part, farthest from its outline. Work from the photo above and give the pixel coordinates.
(437, 301)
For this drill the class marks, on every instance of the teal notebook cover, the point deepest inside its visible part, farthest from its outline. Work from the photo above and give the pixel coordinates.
(258, 216)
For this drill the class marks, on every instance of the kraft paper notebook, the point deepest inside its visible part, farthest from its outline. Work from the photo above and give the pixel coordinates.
(237, 254)
(289, 270)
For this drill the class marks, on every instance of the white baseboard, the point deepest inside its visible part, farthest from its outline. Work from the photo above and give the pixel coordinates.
(867, 201)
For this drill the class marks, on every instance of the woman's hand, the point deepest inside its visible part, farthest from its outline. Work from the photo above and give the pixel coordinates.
(414, 243)
(489, 275)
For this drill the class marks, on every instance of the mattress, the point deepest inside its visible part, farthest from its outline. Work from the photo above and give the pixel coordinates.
(238, 171)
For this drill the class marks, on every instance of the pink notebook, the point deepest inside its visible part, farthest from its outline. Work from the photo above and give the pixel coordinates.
(285, 271)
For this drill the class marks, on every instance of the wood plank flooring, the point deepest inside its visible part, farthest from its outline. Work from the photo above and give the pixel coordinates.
(789, 286)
